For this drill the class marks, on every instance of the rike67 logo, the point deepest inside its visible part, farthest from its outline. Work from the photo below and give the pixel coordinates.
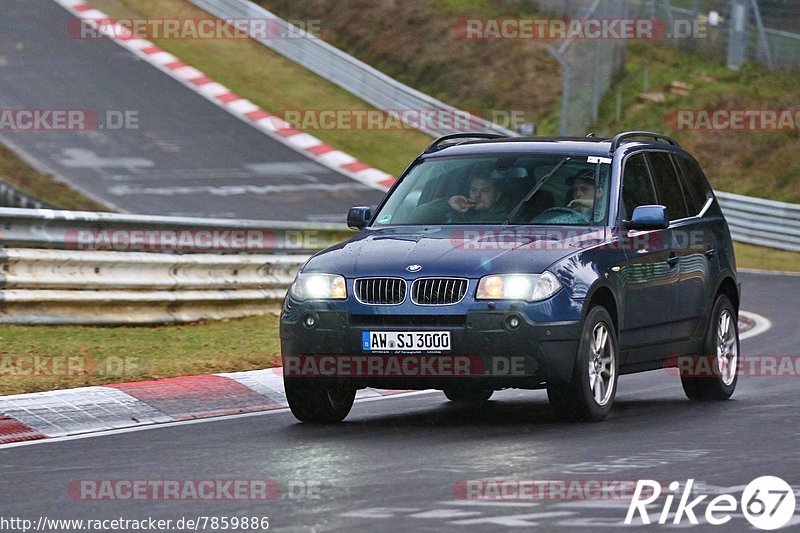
(767, 502)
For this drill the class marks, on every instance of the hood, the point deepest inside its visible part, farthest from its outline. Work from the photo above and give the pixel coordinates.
(468, 251)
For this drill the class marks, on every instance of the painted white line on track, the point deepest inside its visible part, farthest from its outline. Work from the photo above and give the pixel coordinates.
(767, 272)
(762, 325)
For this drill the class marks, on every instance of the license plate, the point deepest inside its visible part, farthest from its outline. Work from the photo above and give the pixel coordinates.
(405, 341)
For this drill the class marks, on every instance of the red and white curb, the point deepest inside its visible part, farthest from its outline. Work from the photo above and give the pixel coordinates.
(60, 413)
(223, 97)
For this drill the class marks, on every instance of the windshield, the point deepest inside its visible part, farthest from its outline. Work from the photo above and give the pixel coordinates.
(496, 190)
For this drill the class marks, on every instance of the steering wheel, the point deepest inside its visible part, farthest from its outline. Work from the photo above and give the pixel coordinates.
(554, 212)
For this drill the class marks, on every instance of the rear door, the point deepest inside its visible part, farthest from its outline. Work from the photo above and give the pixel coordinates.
(648, 276)
(698, 260)
(688, 244)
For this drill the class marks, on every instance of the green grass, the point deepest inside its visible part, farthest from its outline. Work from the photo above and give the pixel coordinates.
(750, 256)
(18, 173)
(101, 355)
(276, 84)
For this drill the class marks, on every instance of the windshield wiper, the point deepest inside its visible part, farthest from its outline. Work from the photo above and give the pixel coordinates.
(539, 184)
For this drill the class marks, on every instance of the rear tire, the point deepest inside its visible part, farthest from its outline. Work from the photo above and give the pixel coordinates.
(314, 401)
(467, 395)
(720, 355)
(589, 395)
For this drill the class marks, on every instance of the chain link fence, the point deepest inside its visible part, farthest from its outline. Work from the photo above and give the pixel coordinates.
(588, 65)
(735, 31)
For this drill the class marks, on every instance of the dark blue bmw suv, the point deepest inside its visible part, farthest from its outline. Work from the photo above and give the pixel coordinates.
(496, 262)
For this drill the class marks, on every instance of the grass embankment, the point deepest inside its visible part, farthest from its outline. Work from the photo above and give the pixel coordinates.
(76, 356)
(18, 173)
(416, 42)
(275, 83)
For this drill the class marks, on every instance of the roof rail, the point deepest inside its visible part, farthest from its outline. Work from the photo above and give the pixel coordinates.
(629, 134)
(479, 135)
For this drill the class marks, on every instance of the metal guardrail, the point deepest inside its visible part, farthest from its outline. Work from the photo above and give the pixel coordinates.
(66, 287)
(84, 230)
(72, 267)
(762, 222)
(354, 76)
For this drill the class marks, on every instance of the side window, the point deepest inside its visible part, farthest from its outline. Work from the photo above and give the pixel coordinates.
(694, 183)
(667, 185)
(637, 187)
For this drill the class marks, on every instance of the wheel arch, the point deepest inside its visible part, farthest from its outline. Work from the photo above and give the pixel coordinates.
(729, 288)
(601, 294)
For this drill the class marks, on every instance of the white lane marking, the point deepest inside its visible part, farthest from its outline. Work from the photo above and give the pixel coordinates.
(233, 190)
(444, 514)
(187, 423)
(489, 503)
(768, 272)
(287, 168)
(595, 504)
(380, 512)
(762, 325)
(514, 520)
(81, 158)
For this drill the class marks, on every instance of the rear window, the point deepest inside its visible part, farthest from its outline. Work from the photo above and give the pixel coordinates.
(694, 182)
(667, 185)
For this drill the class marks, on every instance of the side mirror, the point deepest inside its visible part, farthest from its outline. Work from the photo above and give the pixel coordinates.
(358, 217)
(648, 217)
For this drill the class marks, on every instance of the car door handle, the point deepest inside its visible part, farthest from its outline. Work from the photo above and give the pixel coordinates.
(673, 260)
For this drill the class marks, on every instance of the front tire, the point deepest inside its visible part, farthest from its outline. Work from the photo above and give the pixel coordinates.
(314, 401)
(721, 351)
(589, 395)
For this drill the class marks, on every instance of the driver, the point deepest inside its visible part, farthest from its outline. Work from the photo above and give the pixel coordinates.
(585, 192)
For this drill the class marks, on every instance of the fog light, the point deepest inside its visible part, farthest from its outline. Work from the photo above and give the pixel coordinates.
(309, 321)
(513, 322)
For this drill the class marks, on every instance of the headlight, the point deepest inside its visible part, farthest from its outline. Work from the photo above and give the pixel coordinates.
(529, 287)
(318, 287)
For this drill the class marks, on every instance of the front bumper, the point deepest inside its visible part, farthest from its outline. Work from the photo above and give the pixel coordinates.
(485, 350)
